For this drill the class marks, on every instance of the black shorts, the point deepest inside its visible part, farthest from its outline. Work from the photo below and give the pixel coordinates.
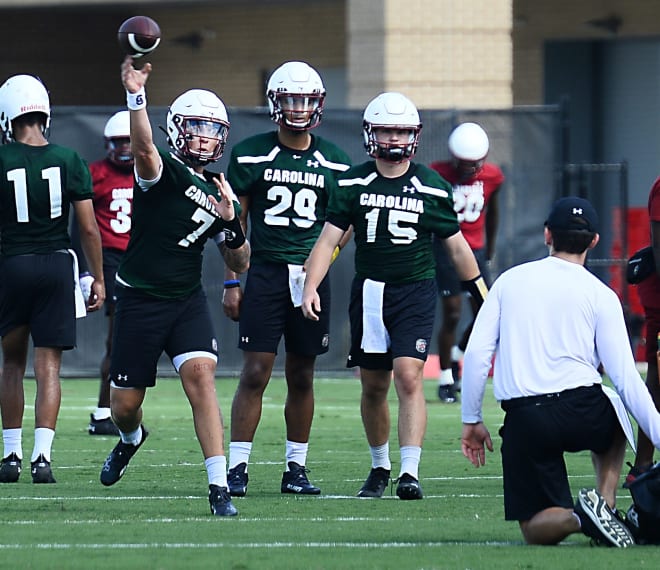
(267, 314)
(537, 432)
(38, 291)
(111, 259)
(408, 315)
(448, 281)
(146, 326)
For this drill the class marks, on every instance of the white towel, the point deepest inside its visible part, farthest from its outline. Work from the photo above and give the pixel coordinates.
(296, 284)
(622, 414)
(81, 308)
(375, 338)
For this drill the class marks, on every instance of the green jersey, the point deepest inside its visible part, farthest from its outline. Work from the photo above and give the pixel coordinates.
(37, 186)
(288, 193)
(171, 222)
(394, 220)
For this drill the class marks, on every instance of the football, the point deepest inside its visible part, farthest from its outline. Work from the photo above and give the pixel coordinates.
(138, 36)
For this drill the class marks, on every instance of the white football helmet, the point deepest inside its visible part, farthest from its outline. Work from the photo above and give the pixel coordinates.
(295, 94)
(197, 113)
(391, 111)
(117, 135)
(468, 141)
(20, 95)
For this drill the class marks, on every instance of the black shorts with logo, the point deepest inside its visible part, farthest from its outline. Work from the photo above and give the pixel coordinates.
(267, 314)
(38, 290)
(146, 326)
(537, 431)
(408, 315)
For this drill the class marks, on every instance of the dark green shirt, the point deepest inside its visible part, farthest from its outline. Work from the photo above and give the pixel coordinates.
(394, 220)
(37, 186)
(288, 191)
(171, 222)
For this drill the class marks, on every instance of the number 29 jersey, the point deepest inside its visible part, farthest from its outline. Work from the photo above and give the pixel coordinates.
(394, 220)
(288, 193)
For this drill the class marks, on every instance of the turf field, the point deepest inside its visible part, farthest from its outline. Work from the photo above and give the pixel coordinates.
(157, 516)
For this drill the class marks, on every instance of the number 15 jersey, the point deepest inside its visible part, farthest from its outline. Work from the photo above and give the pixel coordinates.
(288, 193)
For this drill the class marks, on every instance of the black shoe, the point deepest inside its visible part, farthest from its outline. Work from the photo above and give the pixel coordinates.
(599, 522)
(220, 502)
(41, 471)
(376, 483)
(237, 480)
(446, 394)
(10, 469)
(295, 481)
(102, 427)
(456, 373)
(117, 462)
(408, 488)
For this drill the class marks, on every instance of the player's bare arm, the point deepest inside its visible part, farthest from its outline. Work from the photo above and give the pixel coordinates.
(317, 265)
(90, 240)
(147, 159)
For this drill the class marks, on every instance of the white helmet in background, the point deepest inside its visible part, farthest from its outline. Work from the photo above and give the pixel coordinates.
(295, 94)
(117, 134)
(468, 141)
(392, 111)
(197, 113)
(20, 95)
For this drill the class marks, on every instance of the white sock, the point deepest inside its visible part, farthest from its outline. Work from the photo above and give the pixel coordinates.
(446, 377)
(216, 469)
(410, 456)
(296, 452)
(43, 441)
(132, 437)
(12, 440)
(239, 452)
(456, 354)
(102, 414)
(380, 456)
(578, 518)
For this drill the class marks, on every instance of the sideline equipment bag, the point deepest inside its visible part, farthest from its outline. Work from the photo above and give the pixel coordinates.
(643, 517)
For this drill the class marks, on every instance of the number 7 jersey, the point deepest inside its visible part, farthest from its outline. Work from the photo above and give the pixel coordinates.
(288, 192)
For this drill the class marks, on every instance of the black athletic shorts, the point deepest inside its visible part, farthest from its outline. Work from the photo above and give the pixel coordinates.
(146, 326)
(448, 281)
(408, 315)
(38, 290)
(537, 431)
(111, 259)
(267, 314)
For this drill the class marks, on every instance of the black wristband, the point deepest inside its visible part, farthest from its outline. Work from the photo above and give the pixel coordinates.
(234, 236)
(477, 288)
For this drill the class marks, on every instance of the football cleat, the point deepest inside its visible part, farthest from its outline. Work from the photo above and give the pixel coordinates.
(295, 481)
(376, 483)
(102, 427)
(41, 471)
(10, 469)
(408, 488)
(599, 522)
(117, 462)
(446, 394)
(237, 480)
(220, 502)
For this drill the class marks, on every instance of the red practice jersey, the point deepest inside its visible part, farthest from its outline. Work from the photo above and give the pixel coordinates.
(113, 203)
(649, 289)
(471, 198)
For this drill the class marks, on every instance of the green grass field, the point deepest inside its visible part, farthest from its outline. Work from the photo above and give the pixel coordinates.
(158, 515)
